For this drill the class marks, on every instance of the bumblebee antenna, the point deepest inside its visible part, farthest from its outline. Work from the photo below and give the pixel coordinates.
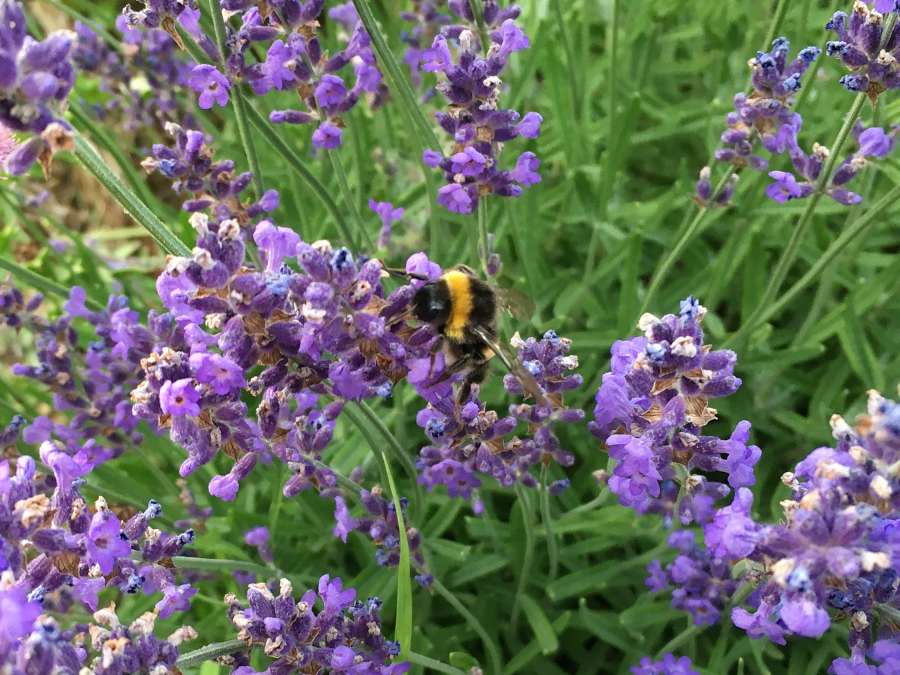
(397, 272)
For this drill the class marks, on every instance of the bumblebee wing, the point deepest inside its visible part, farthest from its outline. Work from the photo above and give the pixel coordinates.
(511, 361)
(517, 303)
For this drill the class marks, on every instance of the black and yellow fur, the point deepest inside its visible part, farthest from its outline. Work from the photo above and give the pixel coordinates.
(463, 309)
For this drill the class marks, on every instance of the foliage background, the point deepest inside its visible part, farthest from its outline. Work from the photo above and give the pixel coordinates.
(633, 95)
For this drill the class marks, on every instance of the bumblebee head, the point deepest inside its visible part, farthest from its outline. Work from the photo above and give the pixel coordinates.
(431, 303)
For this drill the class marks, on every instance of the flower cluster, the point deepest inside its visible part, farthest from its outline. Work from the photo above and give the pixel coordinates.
(106, 646)
(144, 81)
(837, 548)
(765, 115)
(871, 142)
(35, 80)
(326, 630)
(669, 664)
(55, 551)
(470, 439)
(474, 120)
(389, 214)
(427, 18)
(865, 49)
(379, 523)
(295, 60)
(702, 583)
(91, 380)
(211, 186)
(650, 411)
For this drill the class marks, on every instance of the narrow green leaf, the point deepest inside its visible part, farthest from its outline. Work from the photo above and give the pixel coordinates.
(463, 660)
(490, 645)
(525, 655)
(239, 104)
(399, 84)
(129, 201)
(85, 123)
(403, 621)
(540, 625)
(282, 148)
(210, 652)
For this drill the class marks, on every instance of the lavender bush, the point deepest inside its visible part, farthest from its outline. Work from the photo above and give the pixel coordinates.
(231, 446)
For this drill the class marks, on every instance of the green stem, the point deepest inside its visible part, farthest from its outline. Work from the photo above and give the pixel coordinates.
(210, 652)
(570, 57)
(42, 283)
(525, 506)
(547, 517)
(225, 565)
(478, 10)
(396, 449)
(489, 645)
(282, 148)
(684, 237)
(99, 134)
(346, 483)
(793, 246)
(739, 596)
(833, 251)
(240, 116)
(399, 85)
(777, 19)
(347, 194)
(237, 98)
(403, 621)
(129, 201)
(481, 241)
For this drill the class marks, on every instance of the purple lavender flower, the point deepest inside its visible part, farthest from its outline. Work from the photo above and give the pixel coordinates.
(325, 629)
(863, 47)
(17, 616)
(291, 56)
(471, 439)
(763, 116)
(54, 551)
(389, 215)
(834, 550)
(35, 80)
(150, 60)
(650, 411)
(258, 537)
(871, 142)
(478, 126)
(211, 84)
(667, 665)
(885, 652)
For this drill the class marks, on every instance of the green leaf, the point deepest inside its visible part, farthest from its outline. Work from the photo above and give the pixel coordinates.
(463, 660)
(540, 625)
(525, 655)
(129, 201)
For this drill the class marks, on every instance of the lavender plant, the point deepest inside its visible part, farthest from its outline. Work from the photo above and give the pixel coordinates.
(279, 361)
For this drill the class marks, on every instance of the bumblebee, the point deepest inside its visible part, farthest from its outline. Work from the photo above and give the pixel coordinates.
(463, 309)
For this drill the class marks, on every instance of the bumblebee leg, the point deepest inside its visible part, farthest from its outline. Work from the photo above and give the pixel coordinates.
(475, 376)
(457, 366)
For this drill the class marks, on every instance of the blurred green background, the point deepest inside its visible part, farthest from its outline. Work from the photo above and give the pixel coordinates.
(633, 95)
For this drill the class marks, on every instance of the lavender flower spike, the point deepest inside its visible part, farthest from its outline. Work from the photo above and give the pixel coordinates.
(35, 80)
(650, 411)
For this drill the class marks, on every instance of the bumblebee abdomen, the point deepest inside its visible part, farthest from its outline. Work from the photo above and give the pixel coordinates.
(459, 286)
